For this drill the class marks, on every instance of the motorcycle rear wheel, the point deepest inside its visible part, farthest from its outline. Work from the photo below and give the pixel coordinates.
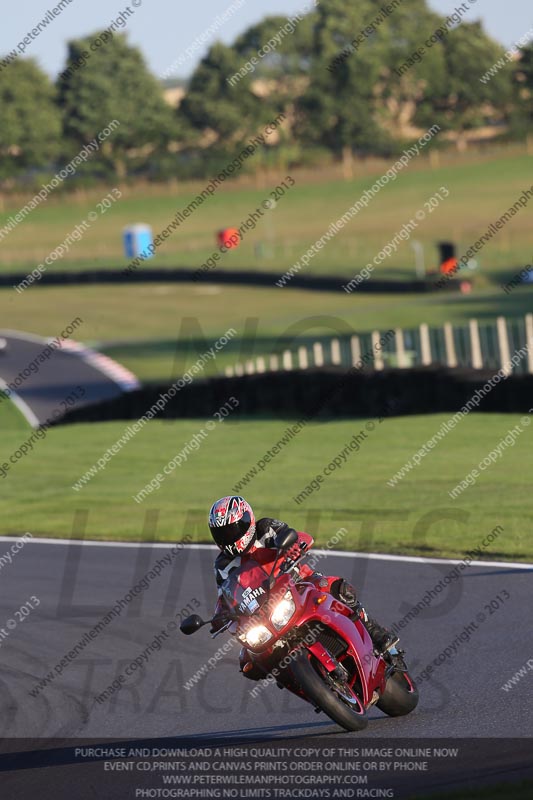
(400, 696)
(338, 702)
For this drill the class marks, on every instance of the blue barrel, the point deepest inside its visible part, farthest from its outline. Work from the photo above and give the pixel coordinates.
(137, 240)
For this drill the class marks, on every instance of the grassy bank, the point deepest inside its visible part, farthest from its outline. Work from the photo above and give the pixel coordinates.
(301, 216)
(158, 329)
(413, 517)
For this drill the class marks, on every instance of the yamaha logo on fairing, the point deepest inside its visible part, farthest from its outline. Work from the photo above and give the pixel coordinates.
(249, 602)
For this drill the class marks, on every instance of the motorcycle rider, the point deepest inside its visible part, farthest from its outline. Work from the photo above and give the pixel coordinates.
(235, 531)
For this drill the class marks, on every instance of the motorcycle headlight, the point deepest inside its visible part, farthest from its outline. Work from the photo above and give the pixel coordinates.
(255, 636)
(283, 611)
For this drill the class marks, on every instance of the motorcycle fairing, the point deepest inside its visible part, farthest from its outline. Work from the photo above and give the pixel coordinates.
(354, 633)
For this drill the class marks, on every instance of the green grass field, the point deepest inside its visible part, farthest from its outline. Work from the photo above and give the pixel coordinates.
(481, 189)
(159, 329)
(411, 518)
(148, 328)
(11, 419)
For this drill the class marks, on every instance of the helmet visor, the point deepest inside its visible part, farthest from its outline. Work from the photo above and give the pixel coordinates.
(228, 536)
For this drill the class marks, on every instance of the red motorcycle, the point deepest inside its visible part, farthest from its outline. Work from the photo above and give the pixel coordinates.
(308, 642)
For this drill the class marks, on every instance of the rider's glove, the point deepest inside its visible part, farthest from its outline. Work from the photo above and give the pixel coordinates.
(217, 624)
(293, 552)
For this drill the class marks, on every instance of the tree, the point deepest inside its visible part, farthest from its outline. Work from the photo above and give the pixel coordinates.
(523, 88)
(234, 90)
(114, 83)
(30, 133)
(408, 67)
(338, 110)
(375, 80)
(285, 45)
(524, 74)
(227, 114)
(275, 56)
(458, 99)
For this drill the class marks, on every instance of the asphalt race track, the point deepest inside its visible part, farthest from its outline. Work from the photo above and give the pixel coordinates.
(76, 584)
(41, 393)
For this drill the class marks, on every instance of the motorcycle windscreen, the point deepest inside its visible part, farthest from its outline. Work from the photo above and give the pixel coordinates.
(246, 589)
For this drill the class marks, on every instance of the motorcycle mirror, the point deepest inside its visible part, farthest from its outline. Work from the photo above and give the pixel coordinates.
(285, 539)
(191, 624)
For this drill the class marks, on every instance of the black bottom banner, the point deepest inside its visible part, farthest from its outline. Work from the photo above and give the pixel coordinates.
(338, 766)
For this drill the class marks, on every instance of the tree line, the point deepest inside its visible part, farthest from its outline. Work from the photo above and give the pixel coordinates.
(351, 81)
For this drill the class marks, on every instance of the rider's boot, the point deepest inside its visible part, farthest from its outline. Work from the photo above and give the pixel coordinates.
(382, 639)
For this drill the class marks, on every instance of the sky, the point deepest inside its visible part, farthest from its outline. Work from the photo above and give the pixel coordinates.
(165, 29)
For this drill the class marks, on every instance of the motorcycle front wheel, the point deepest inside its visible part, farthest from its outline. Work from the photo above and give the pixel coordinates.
(400, 696)
(325, 691)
